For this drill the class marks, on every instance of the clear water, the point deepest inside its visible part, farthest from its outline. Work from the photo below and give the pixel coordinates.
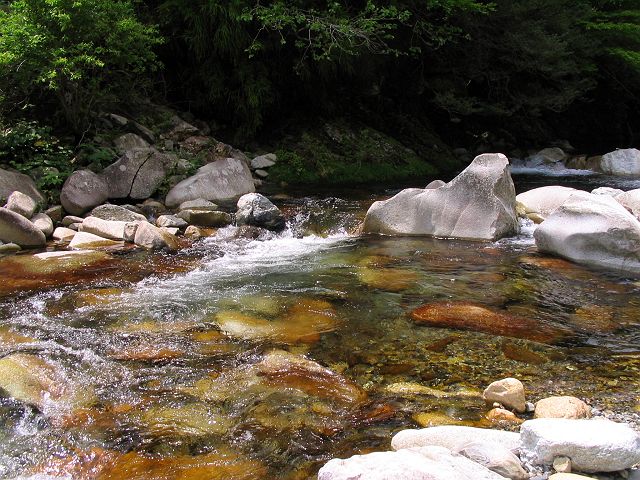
(166, 362)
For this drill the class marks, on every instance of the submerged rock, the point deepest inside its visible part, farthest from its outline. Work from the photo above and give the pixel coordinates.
(32, 380)
(185, 421)
(470, 316)
(595, 231)
(592, 445)
(427, 463)
(478, 204)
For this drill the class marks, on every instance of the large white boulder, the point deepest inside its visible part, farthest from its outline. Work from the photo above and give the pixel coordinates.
(222, 181)
(427, 463)
(82, 191)
(594, 230)
(14, 228)
(631, 201)
(543, 201)
(478, 204)
(621, 162)
(592, 445)
(452, 437)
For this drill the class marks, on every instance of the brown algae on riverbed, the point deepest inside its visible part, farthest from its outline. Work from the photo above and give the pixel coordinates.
(268, 360)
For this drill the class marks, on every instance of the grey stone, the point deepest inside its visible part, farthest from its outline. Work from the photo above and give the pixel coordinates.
(55, 213)
(18, 182)
(199, 204)
(82, 191)
(427, 463)
(9, 248)
(129, 141)
(256, 209)
(144, 132)
(22, 204)
(596, 231)
(112, 230)
(153, 238)
(263, 161)
(170, 230)
(14, 228)
(223, 181)
(494, 457)
(180, 129)
(612, 192)
(75, 226)
(70, 219)
(453, 436)
(64, 234)
(592, 445)
(136, 174)
(478, 204)
(435, 184)
(170, 221)
(43, 223)
(203, 218)
(117, 213)
(621, 162)
(631, 201)
(118, 119)
(261, 173)
(546, 156)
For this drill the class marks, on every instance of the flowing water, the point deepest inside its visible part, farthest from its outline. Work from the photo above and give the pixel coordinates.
(244, 358)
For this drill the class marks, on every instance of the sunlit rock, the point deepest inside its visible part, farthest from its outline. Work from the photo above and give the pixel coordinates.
(470, 316)
(14, 228)
(256, 209)
(502, 417)
(21, 204)
(508, 392)
(478, 204)
(621, 162)
(32, 380)
(631, 201)
(151, 237)
(494, 457)
(82, 191)
(17, 182)
(543, 201)
(562, 407)
(116, 213)
(43, 223)
(113, 230)
(452, 436)
(86, 240)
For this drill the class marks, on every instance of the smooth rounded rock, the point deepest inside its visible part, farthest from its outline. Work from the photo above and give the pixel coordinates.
(137, 174)
(494, 457)
(22, 204)
(543, 201)
(621, 162)
(508, 392)
(453, 436)
(82, 191)
(562, 407)
(14, 228)
(256, 209)
(170, 221)
(86, 240)
(596, 445)
(112, 230)
(153, 238)
(427, 463)
(116, 213)
(631, 201)
(18, 182)
(43, 223)
(64, 234)
(479, 204)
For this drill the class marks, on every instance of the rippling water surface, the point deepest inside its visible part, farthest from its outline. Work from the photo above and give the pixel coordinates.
(263, 358)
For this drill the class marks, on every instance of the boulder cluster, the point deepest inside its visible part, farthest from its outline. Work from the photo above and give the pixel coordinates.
(561, 438)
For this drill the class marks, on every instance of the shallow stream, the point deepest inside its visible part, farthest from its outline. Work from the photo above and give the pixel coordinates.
(200, 364)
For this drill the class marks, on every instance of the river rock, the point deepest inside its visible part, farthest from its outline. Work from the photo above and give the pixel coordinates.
(508, 392)
(223, 181)
(562, 407)
(32, 380)
(82, 191)
(151, 237)
(129, 141)
(198, 204)
(6, 248)
(14, 228)
(288, 370)
(592, 445)
(594, 231)
(117, 213)
(137, 174)
(264, 161)
(55, 213)
(453, 436)
(43, 223)
(631, 201)
(104, 228)
(204, 218)
(546, 156)
(435, 184)
(180, 129)
(478, 204)
(70, 220)
(64, 234)
(170, 221)
(612, 192)
(621, 162)
(86, 240)
(22, 204)
(501, 416)
(427, 463)
(471, 316)
(543, 201)
(256, 209)
(18, 182)
(494, 457)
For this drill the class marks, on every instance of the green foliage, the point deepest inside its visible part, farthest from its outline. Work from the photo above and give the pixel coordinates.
(87, 53)
(31, 149)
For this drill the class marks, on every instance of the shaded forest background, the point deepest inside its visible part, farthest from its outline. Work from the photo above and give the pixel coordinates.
(432, 74)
